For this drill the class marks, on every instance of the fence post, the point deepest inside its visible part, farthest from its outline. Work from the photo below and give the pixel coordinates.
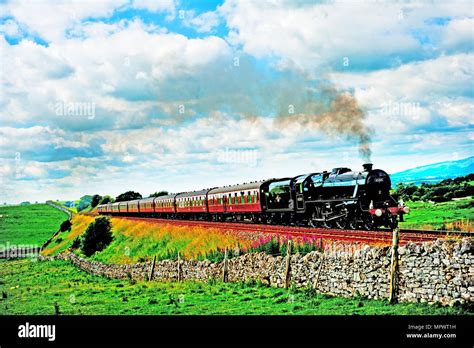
(321, 263)
(394, 266)
(150, 274)
(179, 268)
(224, 271)
(287, 266)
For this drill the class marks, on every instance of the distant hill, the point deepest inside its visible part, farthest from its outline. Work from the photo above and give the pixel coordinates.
(435, 172)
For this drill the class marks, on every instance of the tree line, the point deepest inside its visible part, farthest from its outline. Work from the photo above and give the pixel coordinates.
(442, 191)
(92, 201)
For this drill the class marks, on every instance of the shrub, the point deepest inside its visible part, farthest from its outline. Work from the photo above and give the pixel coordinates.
(95, 200)
(65, 226)
(84, 202)
(97, 236)
(76, 243)
(106, 199)
(128, 196)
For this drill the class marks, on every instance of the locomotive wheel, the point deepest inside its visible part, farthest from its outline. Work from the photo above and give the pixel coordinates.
(368, 223)
(341, 223)
(328, 224)
(352, 223)
(312, 220)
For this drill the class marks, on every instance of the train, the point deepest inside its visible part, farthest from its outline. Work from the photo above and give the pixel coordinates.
(339, 199)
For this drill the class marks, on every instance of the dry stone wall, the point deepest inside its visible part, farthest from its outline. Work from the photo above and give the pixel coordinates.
(59, 207)
(442, 271)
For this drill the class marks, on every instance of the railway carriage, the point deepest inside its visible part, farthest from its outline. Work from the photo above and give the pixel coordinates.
(134, 207)
(122, 207)
(192, 204)
(236, 201)
(146, 206)
(114, 208)
(165, 205)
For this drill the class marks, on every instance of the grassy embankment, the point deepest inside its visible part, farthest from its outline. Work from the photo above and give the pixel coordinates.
(50, 287)
(28, 225)
(452, 215)
(140, 241)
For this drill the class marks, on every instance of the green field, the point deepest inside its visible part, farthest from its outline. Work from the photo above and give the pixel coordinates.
(28, 225)
(453, 215)
(30, 287)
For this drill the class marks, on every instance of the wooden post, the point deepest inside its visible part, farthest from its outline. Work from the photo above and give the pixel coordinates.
(224, 270)
(152, 268)
(323, 257)
(394, 266)
(179, 268)
(288, 267)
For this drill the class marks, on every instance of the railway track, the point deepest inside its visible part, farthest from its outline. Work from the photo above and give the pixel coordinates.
(358, 236)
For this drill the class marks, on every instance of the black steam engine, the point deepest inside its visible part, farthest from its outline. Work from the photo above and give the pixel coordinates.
(342, 198)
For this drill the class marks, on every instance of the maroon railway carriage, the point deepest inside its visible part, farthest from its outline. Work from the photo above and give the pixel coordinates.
(133, 207)
(192, 204)
(146, 206)
(114, 208)
(165, 204)
(122, 207)
(236, 200)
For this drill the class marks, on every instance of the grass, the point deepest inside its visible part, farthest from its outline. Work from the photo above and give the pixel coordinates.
(46, 288)
(28, 225)
(137, 241)
(453, 215)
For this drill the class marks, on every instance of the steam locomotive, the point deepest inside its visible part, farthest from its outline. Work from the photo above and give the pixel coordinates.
(341, 198)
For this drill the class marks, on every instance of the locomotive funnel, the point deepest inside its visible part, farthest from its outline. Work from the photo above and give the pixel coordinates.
(367, 167)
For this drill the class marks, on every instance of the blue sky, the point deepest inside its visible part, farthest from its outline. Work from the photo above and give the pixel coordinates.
(107, 96)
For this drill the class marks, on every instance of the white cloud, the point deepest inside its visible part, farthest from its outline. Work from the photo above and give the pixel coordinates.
(107, 70)
(155, 5)
(459, 34)
(316, 35)
(458, 111)
(11, 28)
(412, 94)
(204, 22)
(50, 19)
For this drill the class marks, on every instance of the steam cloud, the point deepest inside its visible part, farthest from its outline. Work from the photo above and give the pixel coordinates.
(343, 117)
(250, 91)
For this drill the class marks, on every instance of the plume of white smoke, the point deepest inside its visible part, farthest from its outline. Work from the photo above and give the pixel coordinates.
(290, 96)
